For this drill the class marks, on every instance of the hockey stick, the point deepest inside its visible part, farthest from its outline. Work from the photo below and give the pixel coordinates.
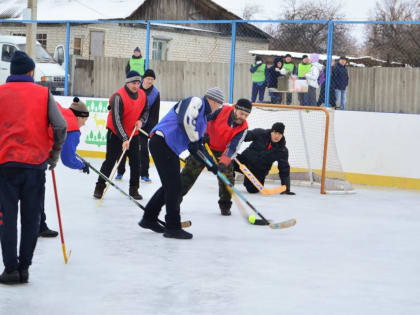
(256, 182)
(63, 245)
(184, 224)
(237, 201)
(280, 225)
(114, 170)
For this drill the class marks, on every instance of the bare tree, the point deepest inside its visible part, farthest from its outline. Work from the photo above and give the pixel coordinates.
(311, 37)
(250, 11)
(395, 42)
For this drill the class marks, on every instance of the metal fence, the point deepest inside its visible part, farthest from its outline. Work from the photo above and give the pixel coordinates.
(190, 56)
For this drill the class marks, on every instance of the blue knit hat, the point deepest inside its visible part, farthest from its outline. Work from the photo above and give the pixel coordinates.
(132, 76)
(21, 63)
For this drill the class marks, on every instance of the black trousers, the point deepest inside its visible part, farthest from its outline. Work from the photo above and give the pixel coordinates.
(144, 157)
(27, 186)
(167, 165)
(113, 153)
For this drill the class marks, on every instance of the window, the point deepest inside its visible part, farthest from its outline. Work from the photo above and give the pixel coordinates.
(77, 47)
(18, 34)
(42, 39)
(159, 49)
(7, 52)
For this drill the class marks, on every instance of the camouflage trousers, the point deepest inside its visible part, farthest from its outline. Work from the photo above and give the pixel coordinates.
(192, 170)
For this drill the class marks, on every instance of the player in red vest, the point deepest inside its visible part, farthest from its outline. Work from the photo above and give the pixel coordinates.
(226, 129)
(128, 110)
(75, 116)
(26, 111)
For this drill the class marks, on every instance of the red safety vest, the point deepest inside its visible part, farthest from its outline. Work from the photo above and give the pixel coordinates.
(131, 113)
(24, 123)
(69, 117)
(220, 132)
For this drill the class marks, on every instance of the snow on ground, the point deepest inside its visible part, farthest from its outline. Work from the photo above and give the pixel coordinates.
(348, 254)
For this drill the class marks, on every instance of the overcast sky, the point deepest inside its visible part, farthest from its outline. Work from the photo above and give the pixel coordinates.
(271, 9)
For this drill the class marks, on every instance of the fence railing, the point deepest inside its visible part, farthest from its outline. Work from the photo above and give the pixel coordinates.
(190, 56)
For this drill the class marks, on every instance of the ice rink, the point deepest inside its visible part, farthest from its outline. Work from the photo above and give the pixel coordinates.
(348, 254)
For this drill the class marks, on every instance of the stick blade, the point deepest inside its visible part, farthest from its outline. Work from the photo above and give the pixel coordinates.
(283, 224)
(273, 191)
(186, 224)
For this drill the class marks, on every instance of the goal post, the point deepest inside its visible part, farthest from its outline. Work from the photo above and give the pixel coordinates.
(310, 139)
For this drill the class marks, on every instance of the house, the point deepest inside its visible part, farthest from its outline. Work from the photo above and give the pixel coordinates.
(173, 42)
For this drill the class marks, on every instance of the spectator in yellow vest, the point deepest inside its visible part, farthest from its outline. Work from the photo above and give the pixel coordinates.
(258, 79)
(136, 63)
(303, 68)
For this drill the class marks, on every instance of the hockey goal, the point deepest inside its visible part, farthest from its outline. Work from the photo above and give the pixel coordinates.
(310, 138)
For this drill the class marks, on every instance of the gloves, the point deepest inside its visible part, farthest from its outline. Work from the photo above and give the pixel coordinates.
(288, 192)
(224, 162)
(193, 148)
(85, 168)
(206, 138)
(53, 158)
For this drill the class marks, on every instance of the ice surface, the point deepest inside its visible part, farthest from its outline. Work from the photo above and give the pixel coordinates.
(348, 254)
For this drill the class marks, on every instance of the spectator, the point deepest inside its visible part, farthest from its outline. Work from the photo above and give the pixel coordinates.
(303, 68)
(136, 63)
(312, 78)
(291, 69)
(321, 98)
(258, 79)
(273, 73)
(341, 80)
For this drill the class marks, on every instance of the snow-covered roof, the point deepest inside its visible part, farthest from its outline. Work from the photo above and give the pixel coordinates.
(52, 10)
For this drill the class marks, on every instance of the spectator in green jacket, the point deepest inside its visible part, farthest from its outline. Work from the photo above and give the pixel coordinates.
(303, 68)
(291, 69)
(258, 79)
(136, 63)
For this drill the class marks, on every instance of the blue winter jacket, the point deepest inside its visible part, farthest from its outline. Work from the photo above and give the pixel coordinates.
(272, 75)
(340, 77)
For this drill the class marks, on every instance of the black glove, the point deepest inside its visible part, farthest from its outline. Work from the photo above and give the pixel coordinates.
(86, 167)
(288, 192)
(206, 138)
(53, 158)
(193, 147)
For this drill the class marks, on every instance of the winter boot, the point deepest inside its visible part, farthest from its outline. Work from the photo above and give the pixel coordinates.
(12, 277)
(178, 234)
(225, 208)
(134, 193)
(99, 190)
(155, 226)
(24, 275)
(44, 231)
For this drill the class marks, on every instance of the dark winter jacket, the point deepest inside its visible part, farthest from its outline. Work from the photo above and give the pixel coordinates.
(154, 108)
(340, 77)
(272, 75)
(262, 153)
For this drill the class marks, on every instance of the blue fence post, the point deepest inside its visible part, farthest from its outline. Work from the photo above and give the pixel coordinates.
(66, 63)
(329, 57)
(147, 44)
(232, 63)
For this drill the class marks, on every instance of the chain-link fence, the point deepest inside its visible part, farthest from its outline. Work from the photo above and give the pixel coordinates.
(293, 62)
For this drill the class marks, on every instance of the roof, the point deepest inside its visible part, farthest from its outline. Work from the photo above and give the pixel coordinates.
(54, 10)
(13, 39)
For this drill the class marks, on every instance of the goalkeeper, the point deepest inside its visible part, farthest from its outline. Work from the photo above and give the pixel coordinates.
(267, 147)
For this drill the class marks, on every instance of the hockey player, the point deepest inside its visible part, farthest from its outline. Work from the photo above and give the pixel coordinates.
(128, 110)
(268, 146)
(75, 117)
(226, 129)
(182, 128)
(26, 110)
(153, 102)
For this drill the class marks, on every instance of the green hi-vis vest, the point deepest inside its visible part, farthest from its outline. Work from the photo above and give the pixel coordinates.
(303, 69)
(259, 75)
(137, 65)
(289, 67)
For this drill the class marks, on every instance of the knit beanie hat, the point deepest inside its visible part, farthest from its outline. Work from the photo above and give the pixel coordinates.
(278, 127)
(244, 104)
(79, 108)
(149, 73)
(137, 49)
(21, 63)
(216, 95)
(132, 76)
(314, 57)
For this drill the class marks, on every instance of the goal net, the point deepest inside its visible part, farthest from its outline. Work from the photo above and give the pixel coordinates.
(310, 139)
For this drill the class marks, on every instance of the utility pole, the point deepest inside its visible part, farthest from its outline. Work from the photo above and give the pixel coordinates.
(31, 30)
